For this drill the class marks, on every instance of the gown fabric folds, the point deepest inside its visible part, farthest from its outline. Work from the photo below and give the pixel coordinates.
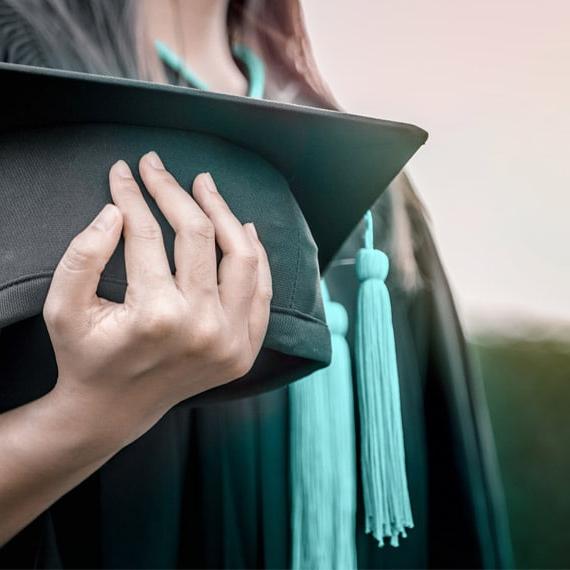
(210, 488)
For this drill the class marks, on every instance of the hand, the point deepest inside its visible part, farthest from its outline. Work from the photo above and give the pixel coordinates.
(125, 364)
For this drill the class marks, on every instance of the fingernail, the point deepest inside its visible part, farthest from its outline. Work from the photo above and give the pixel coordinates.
(154, 160)
(122, 169)
(209, 182)
(251, 229)
(106, 218)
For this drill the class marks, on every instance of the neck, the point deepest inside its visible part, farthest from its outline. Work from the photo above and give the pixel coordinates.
(197, 31)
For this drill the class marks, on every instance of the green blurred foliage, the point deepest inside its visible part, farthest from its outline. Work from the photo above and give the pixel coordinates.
(527, 382)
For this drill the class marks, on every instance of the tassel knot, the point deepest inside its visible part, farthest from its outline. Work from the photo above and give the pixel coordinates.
(372, 264)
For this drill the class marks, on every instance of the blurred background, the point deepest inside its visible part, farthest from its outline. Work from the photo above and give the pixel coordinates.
(490, 81)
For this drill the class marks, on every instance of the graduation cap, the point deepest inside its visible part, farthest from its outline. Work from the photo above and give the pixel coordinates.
(304, 176)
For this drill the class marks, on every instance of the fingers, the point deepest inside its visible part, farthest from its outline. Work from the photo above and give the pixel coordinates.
(237, 272)
(76, 277)
(244, 275)
(260, 303)
(145, 257)
(194, 245)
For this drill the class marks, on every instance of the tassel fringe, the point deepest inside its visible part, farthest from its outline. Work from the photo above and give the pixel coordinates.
(323, 465)
(386, 499)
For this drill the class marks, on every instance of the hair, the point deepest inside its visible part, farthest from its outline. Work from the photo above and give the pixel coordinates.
(108, 37)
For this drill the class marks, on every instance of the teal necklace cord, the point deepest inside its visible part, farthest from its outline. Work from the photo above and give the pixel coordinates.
(253, 64)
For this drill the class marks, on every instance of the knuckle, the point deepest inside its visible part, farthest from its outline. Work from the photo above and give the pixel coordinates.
(248, 259)
(230, 351)
(147, 230)
(199, 226)
(79, 255)
(54, 314)
(265, 294)
(242, 365)
(235, 358)
(161, 322)
(208, 335)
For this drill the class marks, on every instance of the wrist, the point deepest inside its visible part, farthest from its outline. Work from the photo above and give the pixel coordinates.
(80, 428)
(54, 434)
(104, 422)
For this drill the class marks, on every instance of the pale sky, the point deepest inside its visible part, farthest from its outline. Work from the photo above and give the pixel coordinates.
(490, 81)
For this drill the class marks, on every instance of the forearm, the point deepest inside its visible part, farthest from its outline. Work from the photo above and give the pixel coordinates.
(122, 366)
(47, 447)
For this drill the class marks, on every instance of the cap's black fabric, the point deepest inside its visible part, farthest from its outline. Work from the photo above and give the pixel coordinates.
(287, 168)
(54, 181)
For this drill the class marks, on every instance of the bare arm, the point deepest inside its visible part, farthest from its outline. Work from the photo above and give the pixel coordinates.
(122, 366)
(47, 447)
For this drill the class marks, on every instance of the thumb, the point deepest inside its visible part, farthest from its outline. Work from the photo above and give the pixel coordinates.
(76, 277)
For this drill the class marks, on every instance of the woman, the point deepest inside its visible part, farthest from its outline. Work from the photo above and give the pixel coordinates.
(209, 488)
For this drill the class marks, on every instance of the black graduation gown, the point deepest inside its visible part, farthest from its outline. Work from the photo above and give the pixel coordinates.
(209, 487)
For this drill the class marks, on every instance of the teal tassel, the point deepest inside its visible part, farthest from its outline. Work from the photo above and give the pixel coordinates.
(384, 481)
(323, 464)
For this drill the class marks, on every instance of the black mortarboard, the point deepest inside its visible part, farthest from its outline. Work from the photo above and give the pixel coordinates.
(299, 173)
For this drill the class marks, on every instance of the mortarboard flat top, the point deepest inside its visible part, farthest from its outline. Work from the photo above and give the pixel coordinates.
(337, 164)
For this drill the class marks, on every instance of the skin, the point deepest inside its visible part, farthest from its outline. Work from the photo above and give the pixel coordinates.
(122, 366)
(201, 42)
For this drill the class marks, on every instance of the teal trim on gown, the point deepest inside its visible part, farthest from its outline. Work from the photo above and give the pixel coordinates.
(209, 487)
